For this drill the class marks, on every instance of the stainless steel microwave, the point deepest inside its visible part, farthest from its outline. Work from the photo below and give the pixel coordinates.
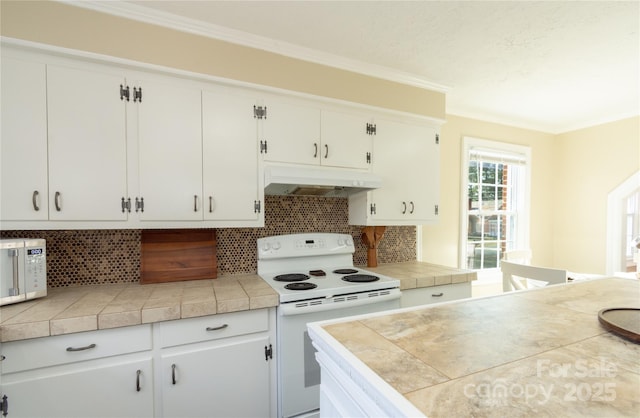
(23, 269)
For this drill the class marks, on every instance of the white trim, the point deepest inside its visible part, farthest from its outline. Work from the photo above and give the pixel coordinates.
(209, 30)
(615, 208)
(467, 144)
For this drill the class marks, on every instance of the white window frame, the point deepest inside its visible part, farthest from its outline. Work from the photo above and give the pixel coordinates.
(469, 143)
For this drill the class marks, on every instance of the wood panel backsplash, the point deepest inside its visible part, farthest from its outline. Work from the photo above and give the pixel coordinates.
(86, 257)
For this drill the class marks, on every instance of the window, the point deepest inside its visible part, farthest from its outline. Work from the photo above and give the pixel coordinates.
(495, 194)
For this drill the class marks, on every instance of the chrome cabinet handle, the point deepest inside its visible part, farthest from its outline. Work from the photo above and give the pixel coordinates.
(173, 374)
(138, 373)
(34, 200)
(195, 202)
(86, 347)
(56, 201)
(412, 207)
(326, 151)
(223, 326)
(210, 204)
(404, 207)
(437, 295)
(315, 150)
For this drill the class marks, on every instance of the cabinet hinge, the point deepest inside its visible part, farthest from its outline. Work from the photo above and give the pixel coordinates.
(126, 204)
(137, 95)
(263, 147)
(368, 158)
(268, 352)
(140, 204)
(371, 129)
(257, 206)
(372, 209)
(436, 209)
(437, 139)
(4, 408)
(124, 92)
(260, 112)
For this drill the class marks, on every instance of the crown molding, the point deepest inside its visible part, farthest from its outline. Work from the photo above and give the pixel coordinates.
(209, 30)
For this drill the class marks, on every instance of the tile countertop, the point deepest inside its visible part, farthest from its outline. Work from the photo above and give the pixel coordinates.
(416, 274)
(88, 308)
(538, 352)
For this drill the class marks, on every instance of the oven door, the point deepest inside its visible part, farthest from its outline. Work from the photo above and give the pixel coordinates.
(298, 370)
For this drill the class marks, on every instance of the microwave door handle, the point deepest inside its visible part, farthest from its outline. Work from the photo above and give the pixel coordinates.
(13, 253)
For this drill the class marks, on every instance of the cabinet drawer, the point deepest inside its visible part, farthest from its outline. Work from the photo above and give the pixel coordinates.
(435, 294)
(213, 327)
(63, 349)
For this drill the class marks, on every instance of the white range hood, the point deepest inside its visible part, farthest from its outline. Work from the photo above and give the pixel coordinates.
(317, 181)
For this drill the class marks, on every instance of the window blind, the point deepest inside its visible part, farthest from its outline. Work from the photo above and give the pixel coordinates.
(496, 156)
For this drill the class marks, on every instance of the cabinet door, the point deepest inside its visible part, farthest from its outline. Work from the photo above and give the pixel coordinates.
(82, 390)
(407, 158)
(219, 379)
(291, 132)
(169, 150)
(23, 141)
(87, 144)
(229, 156)
(345, 142)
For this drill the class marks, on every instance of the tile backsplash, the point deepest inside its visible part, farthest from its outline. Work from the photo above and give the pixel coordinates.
(86, 257)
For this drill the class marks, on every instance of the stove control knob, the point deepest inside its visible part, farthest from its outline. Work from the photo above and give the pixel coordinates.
(276, 245)
(266, 247)
(341, 242)
(349, 241)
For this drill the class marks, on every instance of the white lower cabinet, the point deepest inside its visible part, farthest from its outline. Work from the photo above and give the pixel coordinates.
(435, 294)
(91, 374)
(216, 366)
(212, 366)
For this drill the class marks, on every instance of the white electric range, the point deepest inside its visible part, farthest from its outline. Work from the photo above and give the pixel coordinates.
(316, 280)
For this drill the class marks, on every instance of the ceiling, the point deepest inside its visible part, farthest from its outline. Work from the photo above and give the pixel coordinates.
(552, 66)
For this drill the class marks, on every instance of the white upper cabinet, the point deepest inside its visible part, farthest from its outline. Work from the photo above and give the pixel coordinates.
(87, 144)
(345, 141)
(303, 133)
(23, 141)
(231, 179)
(290, 132)
(407, 157)
(169, 150)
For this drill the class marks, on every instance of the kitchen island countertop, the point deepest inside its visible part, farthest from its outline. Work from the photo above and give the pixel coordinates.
(532, 353)
(88, 308)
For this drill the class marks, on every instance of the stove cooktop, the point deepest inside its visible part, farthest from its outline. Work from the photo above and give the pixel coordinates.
(295, 286)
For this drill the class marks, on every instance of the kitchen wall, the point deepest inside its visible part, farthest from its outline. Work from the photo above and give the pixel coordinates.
(72, 27)
(572, 174)
(86, 257)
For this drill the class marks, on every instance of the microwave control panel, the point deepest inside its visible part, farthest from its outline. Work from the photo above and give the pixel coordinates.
(36, 262)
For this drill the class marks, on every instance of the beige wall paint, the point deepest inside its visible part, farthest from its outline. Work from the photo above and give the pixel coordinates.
(77, 28)
(572, 175)
(589, 164)
(440, 243)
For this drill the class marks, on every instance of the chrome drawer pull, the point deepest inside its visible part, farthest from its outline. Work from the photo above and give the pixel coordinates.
(56, 201)
(223, 326)
(138, 373)
(88, 347)
(437, 295)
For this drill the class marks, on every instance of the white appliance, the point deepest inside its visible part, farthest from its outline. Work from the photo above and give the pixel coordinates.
(314, 275)
(23, 269)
